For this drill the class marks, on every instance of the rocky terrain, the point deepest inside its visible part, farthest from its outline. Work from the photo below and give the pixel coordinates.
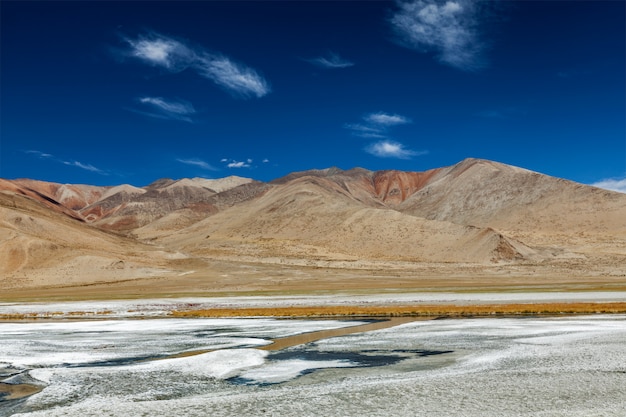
(316, 229)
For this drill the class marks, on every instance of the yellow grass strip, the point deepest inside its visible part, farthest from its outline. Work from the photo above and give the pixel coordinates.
(414, 310)
(445, 310)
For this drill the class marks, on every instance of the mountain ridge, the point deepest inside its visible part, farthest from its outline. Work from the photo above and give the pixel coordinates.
(476, 212)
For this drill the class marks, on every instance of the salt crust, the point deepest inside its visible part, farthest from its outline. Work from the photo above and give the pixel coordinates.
(163, 307)
(502, 367)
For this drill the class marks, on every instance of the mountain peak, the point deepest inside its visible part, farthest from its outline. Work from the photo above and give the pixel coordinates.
(468, 163)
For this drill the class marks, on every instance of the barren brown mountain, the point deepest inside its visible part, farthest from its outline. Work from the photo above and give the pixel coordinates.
(474, 219)
(315, 218)
(41, 247)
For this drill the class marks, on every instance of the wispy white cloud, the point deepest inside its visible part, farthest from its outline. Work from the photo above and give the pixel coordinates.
(238, 164)
(447, 27)
(73, 163)
(612, 184)
(265, 161)
(175, 56)
(235, 78)
(86, 167)
(162, 51)
(391, 149)
(363, 131)
(164, 109)
(39, 154)
(233, 163)
(198, 163)
(331, 61)
(386, 119)
(360, 127)
(376, 125)
(176, 107)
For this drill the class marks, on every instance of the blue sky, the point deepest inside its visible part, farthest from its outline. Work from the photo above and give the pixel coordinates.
(129, 92)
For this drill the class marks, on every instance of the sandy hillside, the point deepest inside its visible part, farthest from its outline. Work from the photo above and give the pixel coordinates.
(477, 222)
(40, 247)
(537, 209)
(313, 217)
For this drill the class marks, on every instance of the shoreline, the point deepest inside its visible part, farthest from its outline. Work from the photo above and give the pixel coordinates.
(335, 304)
(346, 311)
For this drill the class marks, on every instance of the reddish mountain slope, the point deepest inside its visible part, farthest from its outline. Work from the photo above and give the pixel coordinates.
(125, 207)
(316, 215)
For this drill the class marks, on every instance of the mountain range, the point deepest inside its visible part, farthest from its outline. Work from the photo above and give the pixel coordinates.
(474, 218)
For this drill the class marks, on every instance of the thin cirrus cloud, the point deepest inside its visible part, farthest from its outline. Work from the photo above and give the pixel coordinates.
(167, 109)
(39, 154)
(197, 163)
(612, 184)
(385, 119)
(175, 56)
(236, 78)
(376, 125)
(74, 163)
(391, 149)
(87, 167)
(331, 61)
(447, 28)
(364, 131)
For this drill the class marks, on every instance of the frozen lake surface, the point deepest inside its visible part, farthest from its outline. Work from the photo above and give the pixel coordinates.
(573, 366)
